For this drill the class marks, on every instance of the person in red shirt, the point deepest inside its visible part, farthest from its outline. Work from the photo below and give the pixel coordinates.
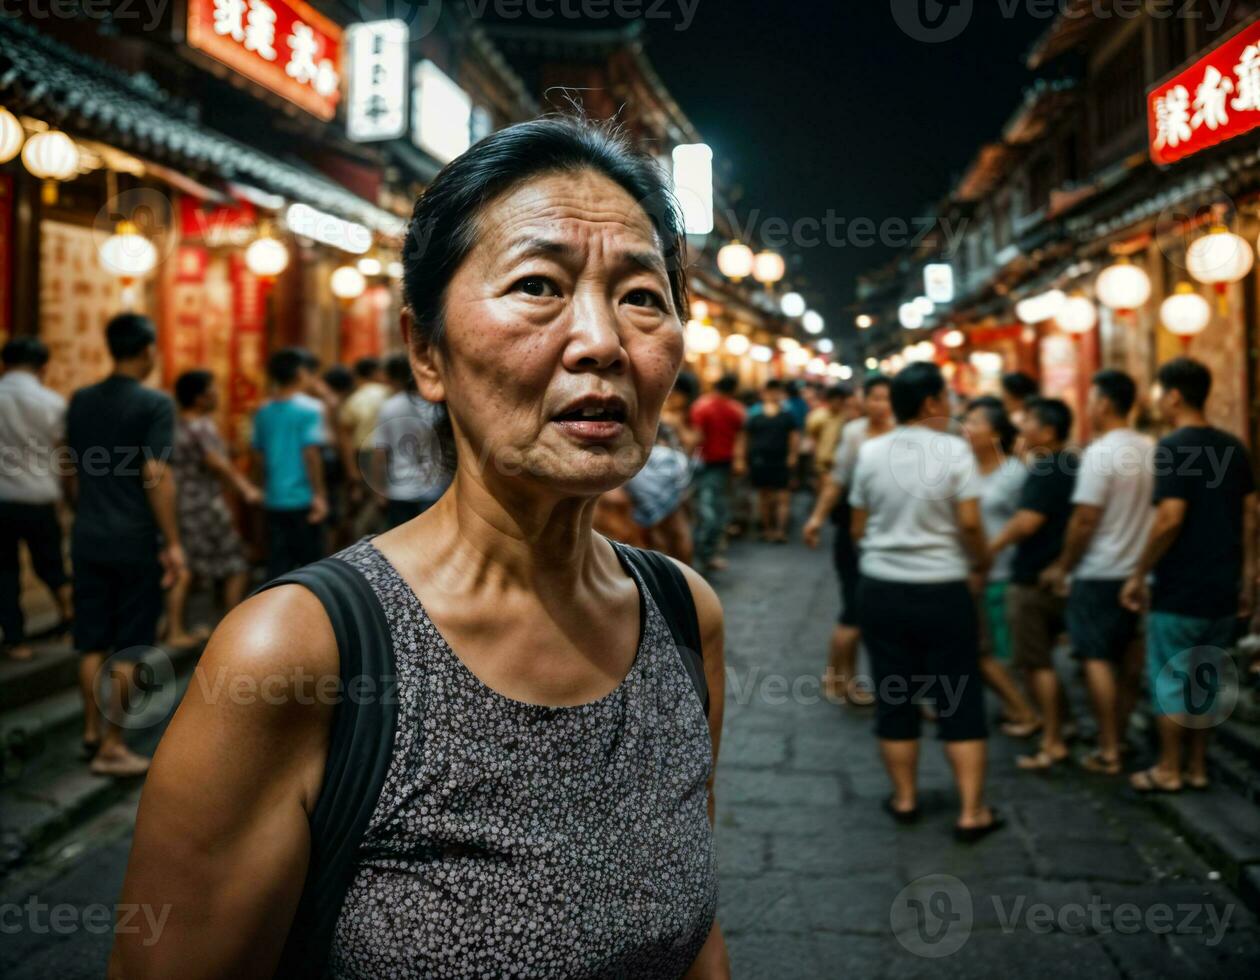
(719, 420)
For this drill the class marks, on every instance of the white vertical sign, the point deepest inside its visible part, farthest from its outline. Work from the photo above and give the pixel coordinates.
(376, 95)
(441, 113)
(693, 186)
(938, 283)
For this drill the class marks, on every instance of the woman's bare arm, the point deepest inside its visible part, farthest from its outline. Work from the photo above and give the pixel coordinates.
(712, 963)
(222, 837)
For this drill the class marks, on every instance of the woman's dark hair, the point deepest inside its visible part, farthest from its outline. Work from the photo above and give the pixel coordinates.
(999, 421)
(128, 334)
(446, 219)
(912, 386)
(191, 385)
(1188, 377)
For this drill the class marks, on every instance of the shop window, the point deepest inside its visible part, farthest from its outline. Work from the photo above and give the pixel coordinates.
(1120, 97)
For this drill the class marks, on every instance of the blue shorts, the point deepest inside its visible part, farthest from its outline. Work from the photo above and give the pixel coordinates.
(1187, 665)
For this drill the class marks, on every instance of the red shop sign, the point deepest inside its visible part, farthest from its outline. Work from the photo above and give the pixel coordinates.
(1216, 99)
(284, 45)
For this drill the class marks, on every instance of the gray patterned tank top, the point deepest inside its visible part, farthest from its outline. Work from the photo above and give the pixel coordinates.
(519, 840)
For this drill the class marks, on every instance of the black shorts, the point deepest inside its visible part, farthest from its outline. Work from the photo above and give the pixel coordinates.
(117, 604)
(1100, 628)
(844, 555)
(768, 476)
(924, 644)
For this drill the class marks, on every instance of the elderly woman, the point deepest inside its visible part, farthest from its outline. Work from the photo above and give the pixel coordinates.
(540, 804)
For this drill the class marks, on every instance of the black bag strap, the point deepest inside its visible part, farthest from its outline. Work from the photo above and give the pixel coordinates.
(669, 588)
(360, 747)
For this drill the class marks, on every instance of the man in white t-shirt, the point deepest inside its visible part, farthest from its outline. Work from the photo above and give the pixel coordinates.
(1102, 547)
(916, 513)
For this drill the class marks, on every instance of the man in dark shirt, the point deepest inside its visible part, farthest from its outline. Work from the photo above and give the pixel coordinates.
(1036, 614)
(125, 544)
(1202, 552)
(771, 444)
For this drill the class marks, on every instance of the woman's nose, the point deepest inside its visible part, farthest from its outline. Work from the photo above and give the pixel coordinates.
(595, 338)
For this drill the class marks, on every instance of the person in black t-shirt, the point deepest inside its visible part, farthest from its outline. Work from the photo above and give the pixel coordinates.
(125, 545)
(1036, 614)
(1202, 552)
(772, 440)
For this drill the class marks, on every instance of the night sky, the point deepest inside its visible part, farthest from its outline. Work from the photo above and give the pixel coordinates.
(830, 105)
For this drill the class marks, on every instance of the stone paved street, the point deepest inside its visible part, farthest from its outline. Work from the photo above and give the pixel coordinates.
(1085, 880)
(813, 871)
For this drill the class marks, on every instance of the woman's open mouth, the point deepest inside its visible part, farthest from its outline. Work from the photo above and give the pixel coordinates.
(593, 420)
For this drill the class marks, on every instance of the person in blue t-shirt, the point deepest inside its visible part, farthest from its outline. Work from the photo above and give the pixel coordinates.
(288, 437)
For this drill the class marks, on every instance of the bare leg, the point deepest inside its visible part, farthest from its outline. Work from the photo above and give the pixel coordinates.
(1100, 679)
(89, 665)
(765, 514)
(1171, 731)
(901, 759)
(968, 760)
(1046, 692)
(1196, 764)
(65, 602)
(1014, 705)
(841, 660)
(783, 511)
(176, 599)
(1127, 687)
(234, 587)
(114, 758)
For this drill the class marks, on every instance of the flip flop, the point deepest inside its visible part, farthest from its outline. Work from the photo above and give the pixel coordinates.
(1042, 761)
(901, 816)
(1145, 782)
(1095, 763)
(970, 835)
(1015, 729)
(1198, 785)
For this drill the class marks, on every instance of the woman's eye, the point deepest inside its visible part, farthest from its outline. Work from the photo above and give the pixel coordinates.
(645, 297)
(537, 286)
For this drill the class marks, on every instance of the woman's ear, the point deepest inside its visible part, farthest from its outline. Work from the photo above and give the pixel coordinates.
(424, 361)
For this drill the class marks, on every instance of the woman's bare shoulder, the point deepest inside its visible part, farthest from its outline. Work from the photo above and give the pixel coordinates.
(708, 605)
(281, 637)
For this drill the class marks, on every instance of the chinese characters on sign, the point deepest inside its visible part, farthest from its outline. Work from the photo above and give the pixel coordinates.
(284, 45)
(1216, 99)
(376, 97)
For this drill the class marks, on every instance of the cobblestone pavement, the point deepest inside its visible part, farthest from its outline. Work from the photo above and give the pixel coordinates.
(816, 880)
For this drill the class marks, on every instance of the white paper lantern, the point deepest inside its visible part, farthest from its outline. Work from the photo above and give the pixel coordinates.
(1219, 258)
(737, 344)
(1042, 307)
(369, 265)
(813, 322)
(863, 321)
(1185, 313)
(51, 155)
(266, 257)
(12, 136)
(955, 338)
(762, 353)
(768, 267)
(701, 338)
(127, 253)
(735, 260)
(825, 346)
(347, 282)
(1123, 287)
(792, 304)
(924, 305)
(1078, 316)
(394, 270)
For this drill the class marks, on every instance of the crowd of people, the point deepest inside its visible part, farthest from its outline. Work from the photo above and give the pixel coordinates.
(968, 535)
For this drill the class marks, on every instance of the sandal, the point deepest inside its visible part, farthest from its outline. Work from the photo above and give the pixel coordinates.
(1100, 765)
(970, 835)
(1146, 781)
(1042, 761)
(1020, 729)
(901, 816)
(1199, 784)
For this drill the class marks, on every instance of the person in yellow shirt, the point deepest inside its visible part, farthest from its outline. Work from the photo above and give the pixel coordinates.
(824, 424)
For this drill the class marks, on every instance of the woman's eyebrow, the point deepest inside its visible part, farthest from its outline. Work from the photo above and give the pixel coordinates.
(539, 246)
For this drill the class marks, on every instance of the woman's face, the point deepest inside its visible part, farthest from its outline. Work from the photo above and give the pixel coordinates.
(980, 433)
(562, 340)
